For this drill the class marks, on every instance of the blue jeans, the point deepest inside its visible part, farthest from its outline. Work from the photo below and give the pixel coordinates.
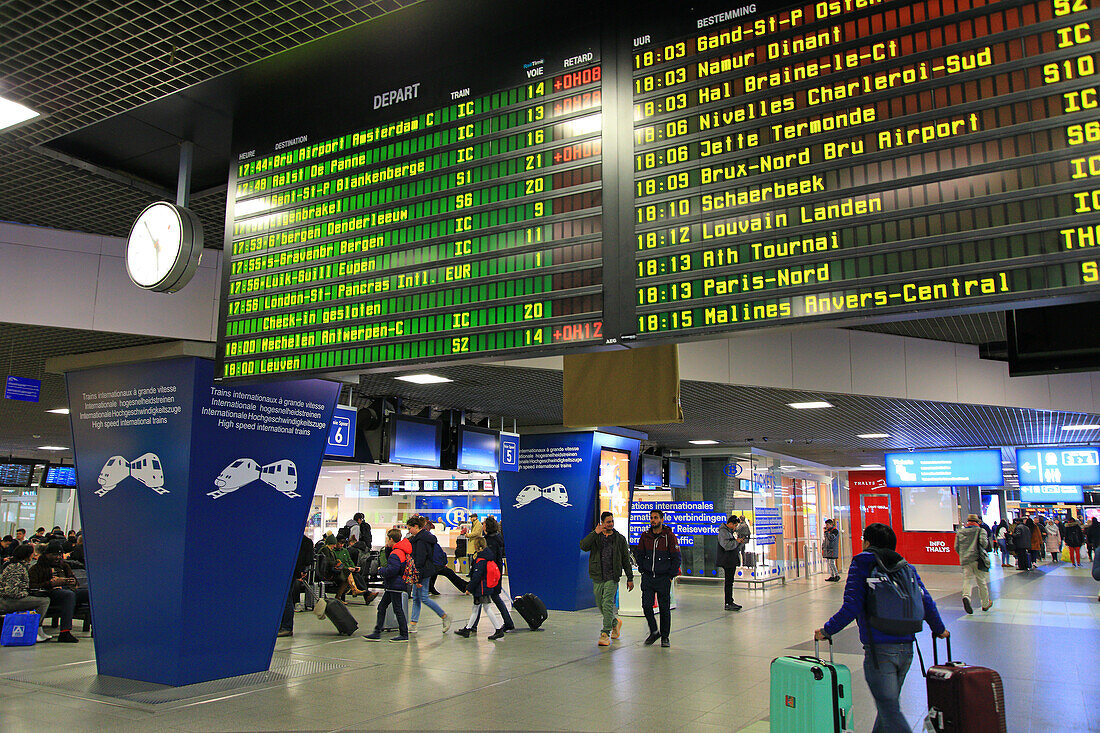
(418, 596)
(1005, 554)
(885, 680)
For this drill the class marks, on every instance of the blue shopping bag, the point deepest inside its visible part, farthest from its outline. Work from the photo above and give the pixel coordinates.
(20, 629)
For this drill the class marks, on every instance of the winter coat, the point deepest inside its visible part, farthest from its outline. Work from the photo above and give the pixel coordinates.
(393, 568)
(475, 538)
(478, 573)
(729, 549)
(1021, 537)
(855, 596)
(830, 544)
(1036, 538)
(1053, 539)
(658, 553)
(1074, 536)
(971, 542)
(1092, 533)
(423, 546)
(620, 556)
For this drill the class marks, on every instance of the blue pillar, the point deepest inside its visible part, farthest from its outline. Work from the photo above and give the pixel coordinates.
(548, 506)
(181, 482)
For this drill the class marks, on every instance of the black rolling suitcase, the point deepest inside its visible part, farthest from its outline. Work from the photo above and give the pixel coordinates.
(531, 608)
(337, 612)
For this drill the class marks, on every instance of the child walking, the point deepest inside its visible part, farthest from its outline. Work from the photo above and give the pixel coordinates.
(484, 584)
(394, 582)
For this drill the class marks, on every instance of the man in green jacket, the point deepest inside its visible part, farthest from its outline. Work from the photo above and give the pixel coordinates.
(608, 558)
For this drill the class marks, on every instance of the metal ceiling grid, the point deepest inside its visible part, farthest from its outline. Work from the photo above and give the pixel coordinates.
(972, 328)
(23, 353)
(78, 62)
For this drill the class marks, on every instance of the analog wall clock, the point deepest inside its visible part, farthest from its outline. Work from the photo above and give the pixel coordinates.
(164, 247)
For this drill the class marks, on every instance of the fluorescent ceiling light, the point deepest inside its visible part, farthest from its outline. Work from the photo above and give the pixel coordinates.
(346, 470)
(787, 468)
(12, 113)
(52, 447)
(808, 405)
(703, 442)
(424, 379)
(869, 465)
(872, 436)
(1088, 426)
(59, 411)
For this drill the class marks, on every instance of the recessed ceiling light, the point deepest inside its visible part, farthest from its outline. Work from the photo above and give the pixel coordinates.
(12, 113)
(787, 468)
(59, 411)
(703, 442)
(423, 379)
(1088, 426)
(872, 436)
(808, 405)
(52, 447)
(869, 465)
(346, 470)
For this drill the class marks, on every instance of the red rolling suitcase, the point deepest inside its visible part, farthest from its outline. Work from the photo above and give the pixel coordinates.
(962, 698)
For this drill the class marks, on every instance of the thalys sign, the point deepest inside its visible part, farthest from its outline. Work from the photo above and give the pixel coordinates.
(873, 501)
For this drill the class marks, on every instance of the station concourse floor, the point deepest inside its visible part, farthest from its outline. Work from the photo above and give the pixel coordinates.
(1043, 636)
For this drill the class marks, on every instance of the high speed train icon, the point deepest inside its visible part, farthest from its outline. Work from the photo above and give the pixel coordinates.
(280, 475)
(554, 492)
(146, 469)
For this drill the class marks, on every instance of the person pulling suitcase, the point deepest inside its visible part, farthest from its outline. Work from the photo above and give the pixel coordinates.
(884, 595)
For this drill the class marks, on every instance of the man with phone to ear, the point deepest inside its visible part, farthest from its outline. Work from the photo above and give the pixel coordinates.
(608, 559)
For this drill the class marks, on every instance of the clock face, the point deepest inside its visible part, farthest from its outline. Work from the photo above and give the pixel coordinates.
(163, 248)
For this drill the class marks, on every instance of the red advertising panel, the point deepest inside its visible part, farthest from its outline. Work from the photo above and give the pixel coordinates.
(873, 501)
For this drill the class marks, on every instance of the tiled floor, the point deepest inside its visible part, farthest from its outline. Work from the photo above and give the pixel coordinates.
(1043, 636)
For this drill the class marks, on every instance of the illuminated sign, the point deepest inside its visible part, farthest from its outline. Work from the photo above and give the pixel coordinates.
(1058, 465)
(945, 468)
(341, 434)
(509, 185)
(1051, 494)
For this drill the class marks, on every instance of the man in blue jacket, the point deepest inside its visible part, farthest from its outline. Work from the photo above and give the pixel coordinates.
(886, 658)
(658, 555)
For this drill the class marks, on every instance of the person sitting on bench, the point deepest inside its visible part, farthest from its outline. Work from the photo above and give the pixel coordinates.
(15, 588)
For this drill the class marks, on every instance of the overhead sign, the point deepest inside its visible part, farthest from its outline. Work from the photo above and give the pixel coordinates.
(509, 452)
(1067, 466)
(22, 388)
(945, 468)
(1051, 494)
(341, 433)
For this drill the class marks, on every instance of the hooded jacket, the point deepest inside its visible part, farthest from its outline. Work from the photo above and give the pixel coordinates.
(855, 596)
(971, 542)
(423, 545)
(394, 566)
(1021, 537)
(1073, 535)
(658, 553)
(478, 574)
(830, 544)
(729, 549)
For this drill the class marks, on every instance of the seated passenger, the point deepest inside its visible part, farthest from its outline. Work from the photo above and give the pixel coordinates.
(15, 587)
(347, 572)
(52, 577)
(7, 547)
(77, 553)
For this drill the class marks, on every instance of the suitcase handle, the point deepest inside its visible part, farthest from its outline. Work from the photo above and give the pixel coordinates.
(817, 649)
(935, 654)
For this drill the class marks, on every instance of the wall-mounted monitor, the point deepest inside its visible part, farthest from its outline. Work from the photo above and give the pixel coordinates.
(16, 475)
(677, 473)
(478, 449)
(413, 441)
(60, 477)
(452, 486)
(650, 471)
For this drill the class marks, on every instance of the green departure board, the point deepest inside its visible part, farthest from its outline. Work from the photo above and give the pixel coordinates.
(525, 179)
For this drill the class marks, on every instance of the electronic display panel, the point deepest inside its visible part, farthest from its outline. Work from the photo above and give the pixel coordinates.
(833, 160)
(677, 473)
(1052, 494)
(16, 475)
(478, 449)
(945, 468)
(60, 477)
(1067, 464)
(413, 441)
(650, 471)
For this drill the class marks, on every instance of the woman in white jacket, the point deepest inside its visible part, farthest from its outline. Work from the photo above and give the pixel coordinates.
(1054, 541)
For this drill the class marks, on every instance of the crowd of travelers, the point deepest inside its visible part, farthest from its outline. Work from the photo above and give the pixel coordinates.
(43, 573)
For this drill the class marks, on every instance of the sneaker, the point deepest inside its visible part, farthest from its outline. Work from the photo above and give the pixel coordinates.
(665, 643)
(616, 628)
(463, 632)
(653, 636)
(735, 607)
(729, 606)
(966, 605)
(605, 640)
(284, 632)
(399, 639)
(498, 634)
(446, 622)
(43, 636)
(509, 627)
(66, 637)
(412, 627)
(373, 636)
(986, 608)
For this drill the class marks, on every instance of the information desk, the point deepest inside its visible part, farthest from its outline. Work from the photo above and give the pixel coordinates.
(452, 183)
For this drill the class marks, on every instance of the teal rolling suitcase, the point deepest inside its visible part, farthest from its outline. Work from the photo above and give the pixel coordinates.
(810, 695)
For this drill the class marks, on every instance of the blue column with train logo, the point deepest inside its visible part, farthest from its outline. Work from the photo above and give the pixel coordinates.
(548, 506)
(180, 480)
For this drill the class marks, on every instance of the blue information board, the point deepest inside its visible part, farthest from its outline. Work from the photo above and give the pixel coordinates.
(509, 452)
(1066, 465)
(23, 389)
(945, 468)
(1052, 494)
(341, 433)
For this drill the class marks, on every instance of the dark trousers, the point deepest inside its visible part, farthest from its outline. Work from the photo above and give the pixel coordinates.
(64, 600)
(288, 610)
(450, 575)
(508, 624)
(1023, 557)
(661, 588)
(730, 573)
(391, 597)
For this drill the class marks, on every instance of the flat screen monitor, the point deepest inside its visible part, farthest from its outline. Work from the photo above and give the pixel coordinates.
(650, 471)
(413, 441)
(16, 475)
(451, 486)
(429, 486)
(478, 449)
(60, 477)
(677, 473)
(470, 485)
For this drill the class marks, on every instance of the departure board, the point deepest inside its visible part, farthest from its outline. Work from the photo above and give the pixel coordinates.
(852, 158)
(490, 179)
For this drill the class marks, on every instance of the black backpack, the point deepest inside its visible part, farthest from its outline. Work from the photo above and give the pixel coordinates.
(343, 534)
(894, 602)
